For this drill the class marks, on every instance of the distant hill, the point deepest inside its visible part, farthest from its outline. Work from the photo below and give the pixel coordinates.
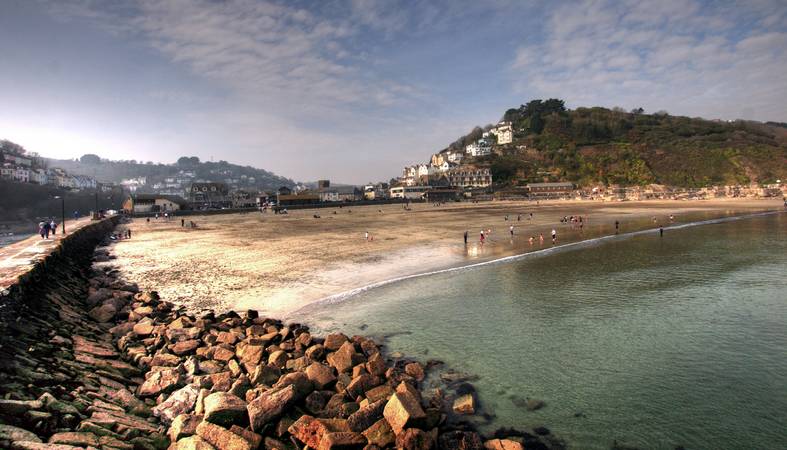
(240, 177)
(602, 146)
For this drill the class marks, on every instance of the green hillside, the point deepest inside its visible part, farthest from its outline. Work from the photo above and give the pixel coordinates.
(599, 145)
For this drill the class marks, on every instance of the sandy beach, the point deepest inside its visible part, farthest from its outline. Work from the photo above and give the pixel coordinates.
(281, 263)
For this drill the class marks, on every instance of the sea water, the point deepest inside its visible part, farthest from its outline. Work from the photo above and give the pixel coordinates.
(645, 340)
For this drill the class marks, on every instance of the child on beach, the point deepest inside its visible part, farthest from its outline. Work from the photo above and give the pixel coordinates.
(483, 238)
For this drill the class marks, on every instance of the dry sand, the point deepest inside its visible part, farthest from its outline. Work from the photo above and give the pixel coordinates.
(280, 263)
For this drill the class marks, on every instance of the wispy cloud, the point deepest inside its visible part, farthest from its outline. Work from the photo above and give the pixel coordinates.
(673, 54)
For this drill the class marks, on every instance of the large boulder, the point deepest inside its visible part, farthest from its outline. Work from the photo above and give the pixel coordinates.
(415, 439)
(222, 438)
(342, 441)
(321, 375)
(184, 425)
(225, 409)
(161, 382)
(366, 416)
(464, 404)
(180, 402)
(9, 434)
(380, 434)
(502, 444)
(403, 410)
(192, 443)
(269, 406)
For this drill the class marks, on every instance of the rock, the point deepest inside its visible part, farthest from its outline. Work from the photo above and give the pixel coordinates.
(222, 354)
(321, 375)
(183, 426)
(308, 430)
(254, 439)
(143, 328)
(17, 408)
(165, 360)
(461, 440)
(27, 445)
(366, 416)
(269, 406)
(403, 410)
(184, 347)
(358, 386)
(265, 374)
(464, 404)
(415, 370)
(415, 439)
(316, 352)
(380, 434)
(9, 434)
(77, 438)
(533, 404)
(103, 313)
(240, 386)
(376, 365)
(342, 440)
(250, 355)
(334, 341)
(225, 409)
(344, 358)
(502, 444)
(159, 382)
(180, 402)
(192, 443)
(222, 438)
(382, 392)
(303, 386)
(278, 358)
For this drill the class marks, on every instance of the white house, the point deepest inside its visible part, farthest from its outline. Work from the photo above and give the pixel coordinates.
(504, 132)
(411, 192)
(7, 172)
(455, 157)
(39, 176)
(446, 166)
(479, 148)
(22, 174)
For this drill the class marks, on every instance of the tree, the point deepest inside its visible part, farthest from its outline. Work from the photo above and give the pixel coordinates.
(637, 110)
(90, 158)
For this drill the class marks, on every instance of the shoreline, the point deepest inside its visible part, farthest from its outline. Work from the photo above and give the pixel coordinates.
(349, 294)
(282, 264)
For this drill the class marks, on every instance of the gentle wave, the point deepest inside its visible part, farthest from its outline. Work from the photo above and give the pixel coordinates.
(346, 295)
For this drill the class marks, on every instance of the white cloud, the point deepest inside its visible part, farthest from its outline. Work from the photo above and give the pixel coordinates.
(679, 55)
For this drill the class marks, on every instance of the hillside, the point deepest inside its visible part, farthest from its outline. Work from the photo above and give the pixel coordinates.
(241, 177)
(602, 146)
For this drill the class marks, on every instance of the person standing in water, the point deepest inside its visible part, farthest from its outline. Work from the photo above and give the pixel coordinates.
(661, 231)
(465, 237)
(617, 226)
(482, 238)
(511, 230)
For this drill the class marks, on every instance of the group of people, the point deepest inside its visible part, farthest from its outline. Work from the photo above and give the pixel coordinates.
(44, 228)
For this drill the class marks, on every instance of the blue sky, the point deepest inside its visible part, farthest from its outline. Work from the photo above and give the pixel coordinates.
(354, 90)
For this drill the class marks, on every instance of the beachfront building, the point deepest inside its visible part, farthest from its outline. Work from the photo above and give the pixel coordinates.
(377, 191)
(243, 199)
(302, 198)
(152, 203)
(550, 189)
(209, 195)
(504, 133)
(410, 175)
(7, 172)
(438, 159)
(409, 192)
(446, 166)
(339, 194)
(468, 176)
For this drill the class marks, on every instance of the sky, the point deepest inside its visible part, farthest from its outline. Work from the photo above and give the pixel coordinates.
(353, 90)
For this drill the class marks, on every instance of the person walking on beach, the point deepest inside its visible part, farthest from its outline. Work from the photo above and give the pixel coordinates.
(483, 238)
(182, 223)
(366, 235)
(128, 233)
(554, 235)
(465, 237)
(511, 230)
(541, 237)
(617, 226)
(661, 231)
(531, 216)
(518, 217)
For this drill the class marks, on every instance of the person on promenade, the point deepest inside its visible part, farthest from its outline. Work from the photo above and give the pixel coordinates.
(53, 227)
(76, 215)
(47, 228)
(41, 229)
(554, 235)
(465, 237)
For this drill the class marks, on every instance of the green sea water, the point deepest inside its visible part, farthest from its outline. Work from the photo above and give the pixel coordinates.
(649, 341)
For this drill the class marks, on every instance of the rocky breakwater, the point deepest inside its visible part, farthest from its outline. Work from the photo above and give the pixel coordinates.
(102, 365)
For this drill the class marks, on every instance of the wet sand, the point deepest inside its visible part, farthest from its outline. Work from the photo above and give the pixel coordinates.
(280, 263)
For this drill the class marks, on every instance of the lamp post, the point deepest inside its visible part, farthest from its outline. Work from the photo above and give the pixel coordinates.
(63, 211)
(96, 211)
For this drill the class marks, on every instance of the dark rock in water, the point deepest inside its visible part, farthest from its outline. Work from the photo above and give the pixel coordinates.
(579, 414)
(534, 404)
(460, 440)
(464, 389)
(541, 431)
(504, 432)
(415, 439)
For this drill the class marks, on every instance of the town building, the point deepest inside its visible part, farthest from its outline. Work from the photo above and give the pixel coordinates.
(147, 203)
(409, 192)
(468, 176)
(454, 157)
(339, 194)
(549, 189)
(243, 199)
(379, 191)
(504, 133)
(209, 194)
(478, 148)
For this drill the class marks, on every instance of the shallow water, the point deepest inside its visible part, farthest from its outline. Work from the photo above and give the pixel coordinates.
(657, 342)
